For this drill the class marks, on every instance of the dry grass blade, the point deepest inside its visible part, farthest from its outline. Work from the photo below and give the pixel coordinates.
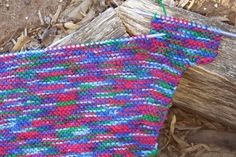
(172, 129)
(14, 42)
(183, 128)
(180, 142)
(196, 147)
(40, 17)
(172, 125)
(191, 4)
(21, 41)
(57, 14)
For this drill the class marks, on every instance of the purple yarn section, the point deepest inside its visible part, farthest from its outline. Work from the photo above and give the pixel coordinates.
(102, 100)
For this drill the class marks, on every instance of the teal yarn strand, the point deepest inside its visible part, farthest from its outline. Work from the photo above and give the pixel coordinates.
(163, 6)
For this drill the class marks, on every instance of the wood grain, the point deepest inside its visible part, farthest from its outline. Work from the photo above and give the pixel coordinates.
(106, 26)
(209, 90)
(219, 138)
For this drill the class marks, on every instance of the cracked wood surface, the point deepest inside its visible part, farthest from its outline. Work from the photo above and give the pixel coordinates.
(105, 26)
(208, 90)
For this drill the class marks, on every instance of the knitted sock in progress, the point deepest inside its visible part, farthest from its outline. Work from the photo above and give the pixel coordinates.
(102, 100)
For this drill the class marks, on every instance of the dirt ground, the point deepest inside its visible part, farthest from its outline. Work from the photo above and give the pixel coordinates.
(17, 15)
(27, 24)
(189, 135)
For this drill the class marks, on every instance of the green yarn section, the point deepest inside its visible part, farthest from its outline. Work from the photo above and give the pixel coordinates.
(151, 118)
(66, 103)
(163, 6)
(73, 132)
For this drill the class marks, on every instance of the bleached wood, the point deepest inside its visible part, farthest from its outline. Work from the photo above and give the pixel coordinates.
(106, 26)
(209, 90)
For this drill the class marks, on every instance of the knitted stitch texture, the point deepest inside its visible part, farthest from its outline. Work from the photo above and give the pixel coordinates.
(101, 100)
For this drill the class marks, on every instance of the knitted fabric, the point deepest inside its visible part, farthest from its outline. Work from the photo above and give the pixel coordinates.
(101, 100)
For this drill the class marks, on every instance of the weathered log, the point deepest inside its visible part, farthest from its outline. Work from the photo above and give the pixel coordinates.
(209, 90)
(106, 26)
(219, 138)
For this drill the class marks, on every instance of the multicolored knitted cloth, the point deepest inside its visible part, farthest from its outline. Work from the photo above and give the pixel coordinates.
(102, 100)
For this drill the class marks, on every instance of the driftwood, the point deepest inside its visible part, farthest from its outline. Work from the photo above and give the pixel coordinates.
(106, 26)
(219, 138)
(209, 90)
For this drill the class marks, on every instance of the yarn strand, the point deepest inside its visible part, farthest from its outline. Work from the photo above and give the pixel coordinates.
(163, 7)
